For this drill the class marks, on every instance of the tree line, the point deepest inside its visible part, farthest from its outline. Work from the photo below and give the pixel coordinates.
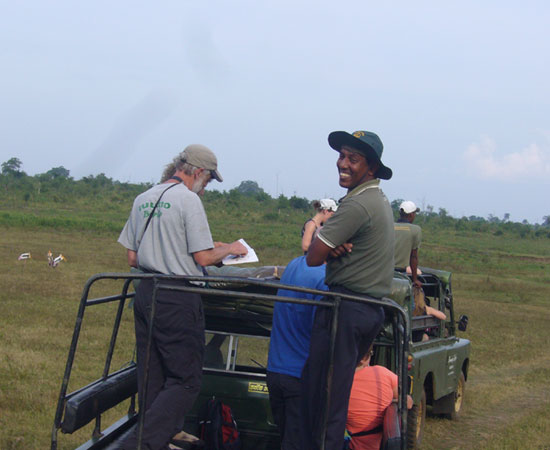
(57, 186)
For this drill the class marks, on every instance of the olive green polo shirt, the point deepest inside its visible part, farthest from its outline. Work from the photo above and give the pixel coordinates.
(407, 238)
(364, 218)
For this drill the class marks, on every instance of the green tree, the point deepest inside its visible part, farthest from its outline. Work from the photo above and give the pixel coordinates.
(12, 166)
(58, 172)
(299, 203)
(100, 180)
(249, 188)
(476, 219)
(283, 202)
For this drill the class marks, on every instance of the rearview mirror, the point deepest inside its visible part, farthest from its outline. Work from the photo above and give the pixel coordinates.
(463, 323)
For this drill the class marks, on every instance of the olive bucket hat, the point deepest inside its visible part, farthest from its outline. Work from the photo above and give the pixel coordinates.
(369, 144)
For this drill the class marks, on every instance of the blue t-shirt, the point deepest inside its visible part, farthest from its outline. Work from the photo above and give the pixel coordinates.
(291, 331)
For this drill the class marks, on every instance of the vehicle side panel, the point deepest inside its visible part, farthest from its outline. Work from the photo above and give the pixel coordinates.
(442, 359)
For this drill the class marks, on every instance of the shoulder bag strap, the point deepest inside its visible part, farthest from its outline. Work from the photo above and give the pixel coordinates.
(153, 211)
(374, 430)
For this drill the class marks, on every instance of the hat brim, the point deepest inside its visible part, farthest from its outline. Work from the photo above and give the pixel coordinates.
(337, 139)
(216, 175)
(417, 210)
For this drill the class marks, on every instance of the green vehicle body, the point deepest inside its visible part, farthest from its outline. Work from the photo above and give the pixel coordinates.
(438, 367)
(238, 317)
(438, 362)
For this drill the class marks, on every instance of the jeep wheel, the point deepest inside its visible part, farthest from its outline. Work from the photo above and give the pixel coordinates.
(415, 422)
(458, 397)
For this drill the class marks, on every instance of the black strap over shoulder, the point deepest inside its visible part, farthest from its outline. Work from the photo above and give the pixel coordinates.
(175, 177)
(374, 430)
(154, 208)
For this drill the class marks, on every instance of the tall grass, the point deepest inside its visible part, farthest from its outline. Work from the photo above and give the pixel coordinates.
(499, 281)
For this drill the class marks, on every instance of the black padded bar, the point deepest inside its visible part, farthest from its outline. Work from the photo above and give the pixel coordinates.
(98, 397)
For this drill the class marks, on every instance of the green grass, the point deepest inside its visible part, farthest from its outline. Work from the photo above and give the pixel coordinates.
(500, 282)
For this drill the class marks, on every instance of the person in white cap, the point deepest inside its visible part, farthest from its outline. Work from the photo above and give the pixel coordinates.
(407, 241)
(325, 209)
(168, 233)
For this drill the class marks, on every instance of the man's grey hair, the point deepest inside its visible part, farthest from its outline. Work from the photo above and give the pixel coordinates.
(177, 164)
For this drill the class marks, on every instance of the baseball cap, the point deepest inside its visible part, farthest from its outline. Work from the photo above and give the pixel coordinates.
(328, 204)
(201, 156)
(408, 207)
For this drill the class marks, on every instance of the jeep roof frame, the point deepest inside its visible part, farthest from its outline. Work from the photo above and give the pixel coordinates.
(400, 325)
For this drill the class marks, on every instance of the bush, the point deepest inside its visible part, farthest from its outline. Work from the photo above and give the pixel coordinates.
(270, 216)
(299, 203)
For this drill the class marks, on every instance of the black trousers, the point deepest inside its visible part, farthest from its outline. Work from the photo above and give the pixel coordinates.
(358, 325)
(285, 400)
(175, 365)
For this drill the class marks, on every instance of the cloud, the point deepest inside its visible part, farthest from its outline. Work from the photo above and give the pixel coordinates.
(532, 161)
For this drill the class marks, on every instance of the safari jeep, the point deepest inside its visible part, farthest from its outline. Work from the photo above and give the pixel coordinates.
(438, 366)
(238, 312)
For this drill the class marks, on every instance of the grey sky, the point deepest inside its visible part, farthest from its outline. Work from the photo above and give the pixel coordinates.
(457, 91)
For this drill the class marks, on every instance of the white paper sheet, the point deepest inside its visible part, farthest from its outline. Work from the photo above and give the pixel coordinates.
(250, 257)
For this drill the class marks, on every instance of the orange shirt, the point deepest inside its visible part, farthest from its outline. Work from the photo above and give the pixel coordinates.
(371, 394)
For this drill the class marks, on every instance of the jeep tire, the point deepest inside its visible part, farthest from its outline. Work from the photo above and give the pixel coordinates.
(458, 397)
(415, 422)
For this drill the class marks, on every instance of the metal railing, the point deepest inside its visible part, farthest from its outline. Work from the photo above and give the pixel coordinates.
(200, 285)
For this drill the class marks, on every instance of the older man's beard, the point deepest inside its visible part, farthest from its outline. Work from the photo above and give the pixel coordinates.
(200, 183)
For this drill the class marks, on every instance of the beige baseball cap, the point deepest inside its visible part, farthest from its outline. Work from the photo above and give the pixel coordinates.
(201, 156)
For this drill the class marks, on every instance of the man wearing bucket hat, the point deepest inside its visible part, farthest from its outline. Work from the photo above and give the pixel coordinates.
(358, 244)
(168, 233)
(407, 240)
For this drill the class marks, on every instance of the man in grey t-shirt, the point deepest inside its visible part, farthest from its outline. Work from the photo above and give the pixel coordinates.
(168, 233)
(358, 243)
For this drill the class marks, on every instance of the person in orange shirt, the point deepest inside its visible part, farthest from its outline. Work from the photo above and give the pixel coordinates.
(373, 390)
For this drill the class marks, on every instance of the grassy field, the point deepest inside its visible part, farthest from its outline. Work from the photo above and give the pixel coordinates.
(501, 283)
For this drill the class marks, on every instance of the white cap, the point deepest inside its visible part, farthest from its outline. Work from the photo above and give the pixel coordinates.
(408, 207)
(328, 204)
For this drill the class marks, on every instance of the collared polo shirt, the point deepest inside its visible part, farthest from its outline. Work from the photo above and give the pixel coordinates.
(365, 219)
(407, 238)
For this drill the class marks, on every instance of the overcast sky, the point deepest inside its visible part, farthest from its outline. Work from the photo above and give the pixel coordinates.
(458, 92)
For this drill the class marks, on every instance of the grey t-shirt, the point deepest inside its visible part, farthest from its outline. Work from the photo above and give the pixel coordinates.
(407, 238)
(364, 218)
(178, 228)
